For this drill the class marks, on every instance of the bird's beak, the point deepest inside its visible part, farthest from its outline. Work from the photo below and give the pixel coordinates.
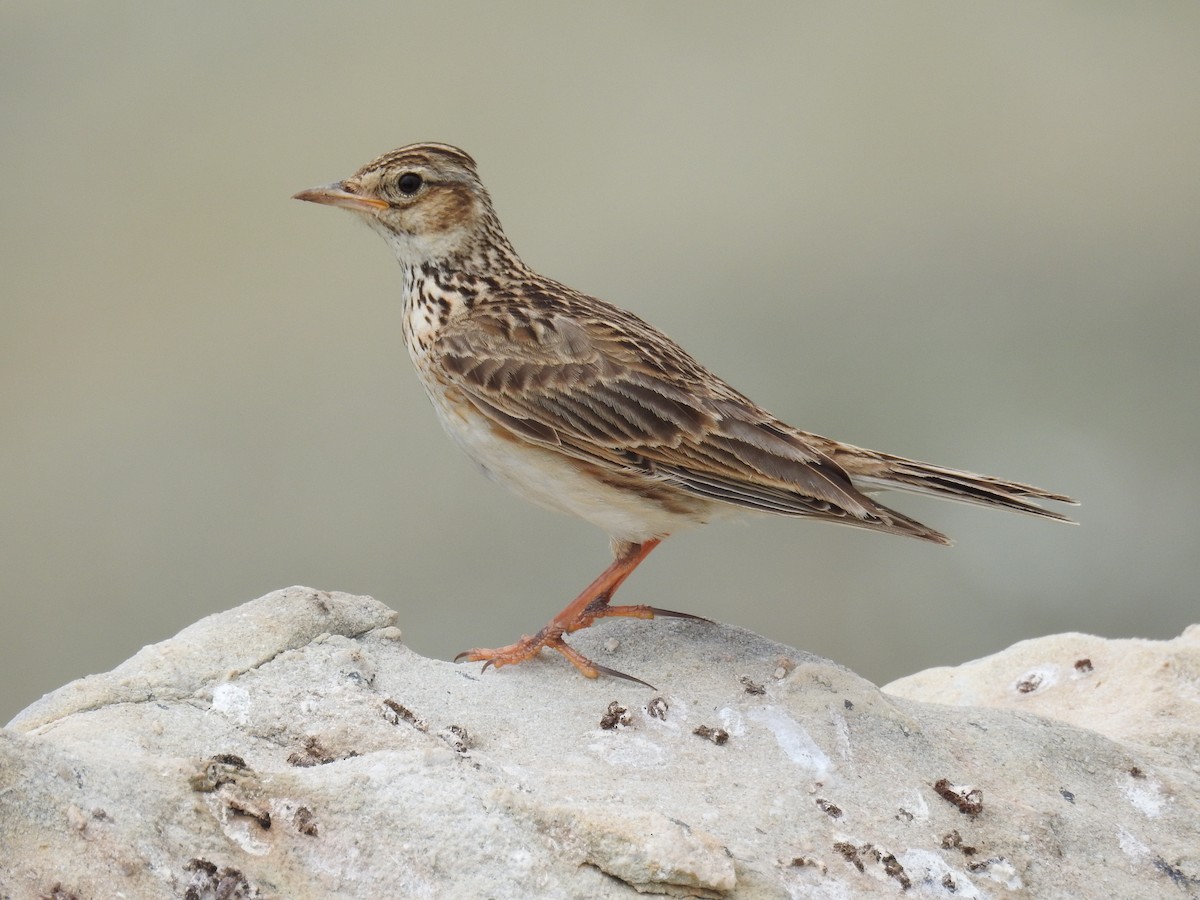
(337, 194)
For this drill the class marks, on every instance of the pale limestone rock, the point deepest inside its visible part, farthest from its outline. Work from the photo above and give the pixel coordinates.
(1134, 691)
(294, 748)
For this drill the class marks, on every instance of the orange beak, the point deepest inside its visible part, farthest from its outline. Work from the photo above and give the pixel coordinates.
(336, 194)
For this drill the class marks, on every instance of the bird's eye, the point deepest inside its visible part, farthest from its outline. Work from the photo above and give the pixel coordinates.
(409, 183)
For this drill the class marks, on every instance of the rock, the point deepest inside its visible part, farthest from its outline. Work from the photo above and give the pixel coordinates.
(293, 747)
(1134, 691)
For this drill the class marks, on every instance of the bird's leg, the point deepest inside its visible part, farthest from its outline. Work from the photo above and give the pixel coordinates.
(593, 602)
(581, 612)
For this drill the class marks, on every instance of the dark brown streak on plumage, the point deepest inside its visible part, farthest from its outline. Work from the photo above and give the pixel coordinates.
(429, 155)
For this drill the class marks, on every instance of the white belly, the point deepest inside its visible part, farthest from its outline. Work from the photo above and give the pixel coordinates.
(554, 481)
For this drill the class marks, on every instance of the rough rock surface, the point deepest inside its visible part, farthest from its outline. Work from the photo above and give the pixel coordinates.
(294, 747)
(1133, 691)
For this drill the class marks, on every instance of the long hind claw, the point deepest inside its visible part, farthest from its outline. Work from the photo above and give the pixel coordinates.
(528, 647)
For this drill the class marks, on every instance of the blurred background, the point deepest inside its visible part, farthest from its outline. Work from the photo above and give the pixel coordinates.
(962, 233)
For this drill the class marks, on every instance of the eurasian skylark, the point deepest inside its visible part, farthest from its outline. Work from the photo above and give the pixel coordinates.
(582, 407)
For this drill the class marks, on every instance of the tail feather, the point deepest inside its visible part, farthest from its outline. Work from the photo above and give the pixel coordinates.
(879, 471)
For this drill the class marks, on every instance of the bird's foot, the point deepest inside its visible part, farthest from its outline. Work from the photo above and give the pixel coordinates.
(528, 647)
(590, 605)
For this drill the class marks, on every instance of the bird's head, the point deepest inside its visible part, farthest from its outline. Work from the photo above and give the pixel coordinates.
(426, 200)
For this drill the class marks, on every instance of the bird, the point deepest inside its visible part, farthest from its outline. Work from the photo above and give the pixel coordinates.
(582, 407)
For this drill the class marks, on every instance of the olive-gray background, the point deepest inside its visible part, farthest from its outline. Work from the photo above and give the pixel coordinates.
(964, 233)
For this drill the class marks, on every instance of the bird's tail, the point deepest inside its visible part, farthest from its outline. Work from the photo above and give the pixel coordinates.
(871, 471)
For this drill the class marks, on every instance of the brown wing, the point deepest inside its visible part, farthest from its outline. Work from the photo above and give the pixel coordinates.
(613, 391)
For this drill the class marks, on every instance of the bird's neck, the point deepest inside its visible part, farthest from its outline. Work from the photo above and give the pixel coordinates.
(470, 268)
(475, 246)
(437, 291)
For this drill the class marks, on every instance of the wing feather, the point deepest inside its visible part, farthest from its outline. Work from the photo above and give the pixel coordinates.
(578, 386)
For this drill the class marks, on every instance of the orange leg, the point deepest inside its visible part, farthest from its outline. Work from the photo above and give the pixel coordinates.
(590, 605)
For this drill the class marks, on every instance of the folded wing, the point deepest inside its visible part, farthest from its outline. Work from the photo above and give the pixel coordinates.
(599, 390)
